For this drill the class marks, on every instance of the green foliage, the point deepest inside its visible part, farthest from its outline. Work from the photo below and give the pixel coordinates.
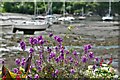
(100, 8)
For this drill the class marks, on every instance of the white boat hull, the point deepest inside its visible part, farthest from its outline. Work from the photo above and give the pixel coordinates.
(82, 18)
(107, 18)
(30, 29)
(66, 19)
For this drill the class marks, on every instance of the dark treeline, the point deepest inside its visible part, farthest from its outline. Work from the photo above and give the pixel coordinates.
(98, 8)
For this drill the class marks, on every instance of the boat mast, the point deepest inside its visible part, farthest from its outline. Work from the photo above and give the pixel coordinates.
(49, 8)
(64, 8)
(35, 5)
(109, 7)
(82, 11)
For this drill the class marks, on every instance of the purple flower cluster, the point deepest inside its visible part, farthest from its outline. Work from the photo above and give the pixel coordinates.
(41, 42)
(70, 59)
(96, 59)
(56, 48)
(51, 34)
(58, 39)
(23, 61)
(39, 68)
(33, 41)
(36, 76)
(87, 47)
(55, 73)
(57, 59)
(17, 61)
(84, 59)
(72, 71)
(61, 57)
(39, 62)
(38, 40)
(23, 45)
(75, 53)
(49, 49)
(31, 50)
(67, 52)
(52, 54)
(2, 62)
(15, 70)
(91, 55)
(57, 54)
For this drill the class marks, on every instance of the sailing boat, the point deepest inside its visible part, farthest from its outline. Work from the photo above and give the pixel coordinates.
(64, 18)
(30, 26)
(52, 19)
(82, 17)
(108, 17)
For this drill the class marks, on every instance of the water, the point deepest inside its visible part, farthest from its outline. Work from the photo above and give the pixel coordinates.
(94, 47)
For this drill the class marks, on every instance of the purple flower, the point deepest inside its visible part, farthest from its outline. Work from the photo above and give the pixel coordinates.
(94, 66)
(53, 75)
(23, 59)
(23, 63)
(51, 34)
(55, 37)
(22, 45)
(41, 56)
(17, 61)
(56, 48)
(60, 46)
(2, 62)
(74, 53)
(56, 71)
(58, 39)
(96, 59)
(15, 70)
(31, 40)
(61, 56)
(67, 52)
(31, 50)
(40, 38)
(41, 42)
(52, 54)
(72, 71)
(70, 59)
(57, 60)
(29, 77)
(38, 62)
(62, 50)
(36, 76)
(91, 55)
(84, 59)
(39, 69)
(66, 61)
(76, 63)
(87, 47)
(41, 51)
(35, 41)
(32, 66)
(49, 50)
